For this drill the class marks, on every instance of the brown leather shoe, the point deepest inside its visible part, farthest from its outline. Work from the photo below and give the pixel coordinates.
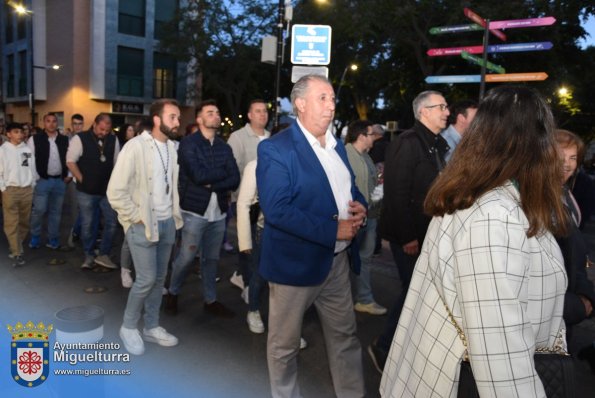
(219, 310)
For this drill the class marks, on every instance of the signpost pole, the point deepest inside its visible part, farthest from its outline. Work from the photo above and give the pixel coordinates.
(482, 84)
(279, 63)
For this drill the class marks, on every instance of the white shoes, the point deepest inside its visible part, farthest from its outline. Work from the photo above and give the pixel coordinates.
(236, 280)
(132, 341)
(105, 261)
(255, 322)
(160, 336)
(371, 308)
(126, 278)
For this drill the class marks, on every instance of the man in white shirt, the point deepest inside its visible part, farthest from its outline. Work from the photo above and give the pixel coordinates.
(143, 190)
(313, 210)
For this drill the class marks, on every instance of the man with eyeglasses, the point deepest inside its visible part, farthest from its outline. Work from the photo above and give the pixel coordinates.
(412, 163)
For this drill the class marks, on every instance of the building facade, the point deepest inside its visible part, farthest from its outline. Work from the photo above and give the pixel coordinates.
(109, 57)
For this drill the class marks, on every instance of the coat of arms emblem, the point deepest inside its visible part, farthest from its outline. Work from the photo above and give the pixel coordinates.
(29, 353)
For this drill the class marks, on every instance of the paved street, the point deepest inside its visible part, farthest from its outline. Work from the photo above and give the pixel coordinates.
(215, 357)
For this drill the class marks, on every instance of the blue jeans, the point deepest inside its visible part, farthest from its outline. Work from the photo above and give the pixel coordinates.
(198, 234)
(76, 228)
(88, 207)
(150, 261)
(405, 265)
(257, 283)
(367, 241)
(48, 197)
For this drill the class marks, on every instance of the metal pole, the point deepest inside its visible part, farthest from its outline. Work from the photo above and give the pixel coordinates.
(341, 83)
(32, 94)
(278, 64)
(486, 36)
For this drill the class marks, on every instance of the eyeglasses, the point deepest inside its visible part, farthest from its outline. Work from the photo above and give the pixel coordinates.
(442, 107)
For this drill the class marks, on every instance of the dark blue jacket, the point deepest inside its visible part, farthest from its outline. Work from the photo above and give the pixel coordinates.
(300, 213)
(205, 168)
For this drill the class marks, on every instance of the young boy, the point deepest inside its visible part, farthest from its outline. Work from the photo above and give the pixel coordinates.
(17, 179)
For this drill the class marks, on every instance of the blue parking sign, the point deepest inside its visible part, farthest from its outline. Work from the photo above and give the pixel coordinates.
(311, 44)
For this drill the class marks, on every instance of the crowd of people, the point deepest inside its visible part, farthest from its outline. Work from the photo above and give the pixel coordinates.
(475, 200)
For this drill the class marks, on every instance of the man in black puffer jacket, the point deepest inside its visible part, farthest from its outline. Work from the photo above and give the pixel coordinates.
(208, 174)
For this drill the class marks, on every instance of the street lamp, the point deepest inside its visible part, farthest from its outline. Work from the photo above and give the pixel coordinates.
(353, 67)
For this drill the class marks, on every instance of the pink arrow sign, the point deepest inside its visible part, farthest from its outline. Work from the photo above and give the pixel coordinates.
(480, 21)
(440, 52)
(522, 23)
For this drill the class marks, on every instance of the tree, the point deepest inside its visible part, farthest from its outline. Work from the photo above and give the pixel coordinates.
(220, 41)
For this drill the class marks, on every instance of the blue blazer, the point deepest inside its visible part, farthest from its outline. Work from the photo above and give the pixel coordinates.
(301, 217)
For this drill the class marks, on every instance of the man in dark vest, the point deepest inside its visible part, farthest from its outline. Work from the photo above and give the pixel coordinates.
(49, 148)
(91, 158)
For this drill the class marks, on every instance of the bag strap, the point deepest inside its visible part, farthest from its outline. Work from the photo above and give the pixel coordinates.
(458, 328)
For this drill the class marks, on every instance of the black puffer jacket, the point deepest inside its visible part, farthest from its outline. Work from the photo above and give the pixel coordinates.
(411, 164)
(205, 168)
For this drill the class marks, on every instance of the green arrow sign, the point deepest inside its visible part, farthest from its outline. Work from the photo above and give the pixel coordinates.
(480, 62)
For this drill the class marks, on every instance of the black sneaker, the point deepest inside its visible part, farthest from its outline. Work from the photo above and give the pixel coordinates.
(171, 304)
(18, 261)
(378, 356)
(219, 310)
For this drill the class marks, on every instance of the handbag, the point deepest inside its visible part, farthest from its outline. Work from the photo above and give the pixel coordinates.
(553, 365)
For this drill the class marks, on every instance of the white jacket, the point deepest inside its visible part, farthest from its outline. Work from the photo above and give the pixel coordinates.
(505, 290)
(130, 187)
(17, 166)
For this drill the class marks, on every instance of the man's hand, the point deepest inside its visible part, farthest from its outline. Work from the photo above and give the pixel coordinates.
(247, 251)
(67, 179)
(411, 248)
(348, 228)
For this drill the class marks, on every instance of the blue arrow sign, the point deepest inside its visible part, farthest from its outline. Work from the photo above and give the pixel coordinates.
(454, 79)
(518, 47)
(310, 44)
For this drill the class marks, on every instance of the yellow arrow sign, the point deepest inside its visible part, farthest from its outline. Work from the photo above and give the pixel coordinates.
(516, 77)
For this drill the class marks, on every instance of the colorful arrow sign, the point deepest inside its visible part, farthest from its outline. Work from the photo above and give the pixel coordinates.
(455, 29)
(481, 62)
(522, 23)
(517, 77)
(496, 48)
(507, 77)
(480, 21)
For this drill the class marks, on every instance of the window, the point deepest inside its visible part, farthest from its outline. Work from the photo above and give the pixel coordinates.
(131, 17)
(10, 76)
(22, 26)
(22, 73)
(164, 76)
(164, 12)
(130, 72)
(9, 17)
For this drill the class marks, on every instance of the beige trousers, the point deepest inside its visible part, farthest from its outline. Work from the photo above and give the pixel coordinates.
(16, 206)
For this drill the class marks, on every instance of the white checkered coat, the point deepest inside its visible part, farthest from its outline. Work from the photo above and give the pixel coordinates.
(505, 290)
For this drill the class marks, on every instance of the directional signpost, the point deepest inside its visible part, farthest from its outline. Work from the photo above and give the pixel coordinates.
(491, 27)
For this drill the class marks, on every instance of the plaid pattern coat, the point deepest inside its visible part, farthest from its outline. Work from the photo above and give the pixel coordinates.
(504, 289)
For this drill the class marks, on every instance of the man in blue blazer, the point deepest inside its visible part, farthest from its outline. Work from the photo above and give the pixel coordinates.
(312, 211)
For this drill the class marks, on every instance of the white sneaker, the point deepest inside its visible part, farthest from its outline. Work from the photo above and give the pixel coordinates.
(245, 295)
(255, 322)
(160, 336)
(105, 261)
(236, 280)
(303, 343)
(126, 278)
(371, 308)
(132, 341)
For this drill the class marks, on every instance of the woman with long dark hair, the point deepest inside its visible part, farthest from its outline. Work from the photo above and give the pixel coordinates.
(490, 282)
